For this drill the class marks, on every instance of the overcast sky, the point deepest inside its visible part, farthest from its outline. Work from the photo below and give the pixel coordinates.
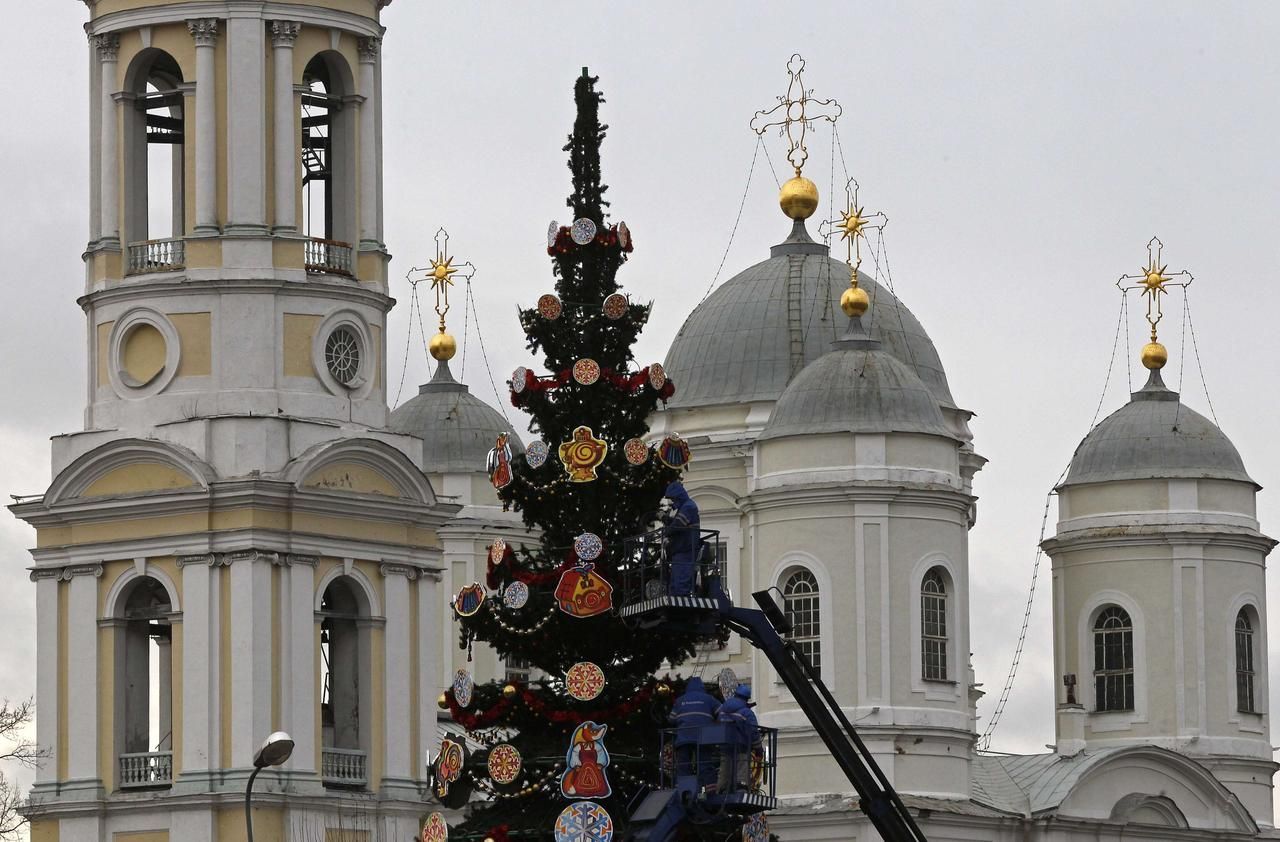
(1024, 154)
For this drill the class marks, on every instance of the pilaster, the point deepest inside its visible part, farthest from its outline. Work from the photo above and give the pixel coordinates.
(252, 674)
(205, 33)
(246, 129)
(298, 702)
(47, 691)
(108, 49)
(370, 150)
(398, 676)
(201, 673)
(82, 674)
(283, 35)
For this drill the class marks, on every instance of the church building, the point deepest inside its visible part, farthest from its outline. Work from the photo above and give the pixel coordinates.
(244, 539)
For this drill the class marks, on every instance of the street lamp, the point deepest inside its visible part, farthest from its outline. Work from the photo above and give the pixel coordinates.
(274, 751)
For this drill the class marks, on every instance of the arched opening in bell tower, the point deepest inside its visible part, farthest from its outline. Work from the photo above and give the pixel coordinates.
(144, 685)
(154, 162)
(345, 684)
(328, 145)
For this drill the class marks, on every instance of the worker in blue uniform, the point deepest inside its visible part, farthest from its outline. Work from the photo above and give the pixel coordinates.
(691, 712)
(682, 540)
(744, 734)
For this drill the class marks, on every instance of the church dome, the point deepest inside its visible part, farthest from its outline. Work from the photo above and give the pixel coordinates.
(856, 387)
(1155, 436)
(748, 339)
(457, 428)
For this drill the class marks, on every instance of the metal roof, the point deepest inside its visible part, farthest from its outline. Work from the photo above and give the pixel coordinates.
(857, 387)
(1155, 435)
(751, 336)
(457, 428)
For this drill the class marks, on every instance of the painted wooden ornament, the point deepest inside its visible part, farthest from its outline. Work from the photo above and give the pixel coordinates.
(549, 307)
(553, 232)
(448, 766)
(505, 763)
(469, 599)
(583, 231)
(498, 463)
(582, 592)
(615, 306)
(636, 451)
(516, 595)
(435, 829)
(727, 681)
(497, 550)
(588, 546)
(582, 455)
(585, 821)
(674, 452)
(657, 376)
(535, 455)
(463, 687)
(519, 379)
(584, 681)
(586, 371)
(585, 763)
(756, 829)
(624, 235)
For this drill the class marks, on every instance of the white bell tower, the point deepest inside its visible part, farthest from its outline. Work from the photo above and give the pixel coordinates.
(235, 544)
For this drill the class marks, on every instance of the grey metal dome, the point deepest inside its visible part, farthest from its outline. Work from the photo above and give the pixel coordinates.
(1155, 436)
(759, 329)
(856, 387)
(457, 428)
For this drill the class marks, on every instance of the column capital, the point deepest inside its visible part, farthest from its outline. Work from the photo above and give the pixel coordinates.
(405, 570)
(284, 32)
(107, 45)
(369, 49)
(204, 31)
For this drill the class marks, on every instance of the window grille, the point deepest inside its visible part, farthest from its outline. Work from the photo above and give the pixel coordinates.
(800, 598)
(1244, 663)
(1113, 660)
(933, 626)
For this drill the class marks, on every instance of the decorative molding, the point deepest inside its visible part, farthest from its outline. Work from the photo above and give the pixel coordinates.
(409, 572)
(202, 558)
(65, 574)
(284, 32)
(108, 46)
(252, 556)
(299, 558)
(204, 31)
(369, 49)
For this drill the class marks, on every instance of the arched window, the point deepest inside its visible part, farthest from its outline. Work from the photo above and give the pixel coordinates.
(144, 686)
(1245, 670)
(154, 144)
(345, 687)
(1113, 660)
(933, 626)
(328, 146)
(800, 598)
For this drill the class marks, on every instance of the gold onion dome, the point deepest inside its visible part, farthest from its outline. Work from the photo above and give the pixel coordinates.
(1154, 355)
(854, 302)
(442, 346)
(798, 198)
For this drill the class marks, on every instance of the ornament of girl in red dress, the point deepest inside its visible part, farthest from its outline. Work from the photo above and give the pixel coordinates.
(499, 462)
(584, 775)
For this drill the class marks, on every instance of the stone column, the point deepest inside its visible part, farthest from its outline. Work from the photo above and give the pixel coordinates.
(369, 49)
(83, 699)
(251, 668)
(201, 674)
(205, 33)
(246, 129)
(95, 133)
(298, 703)
(283, 34)
(164, 648)
(398, 674)
(47, 623)
(108, 47)
(429, 684)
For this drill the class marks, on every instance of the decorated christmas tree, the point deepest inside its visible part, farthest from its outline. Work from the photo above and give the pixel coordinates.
(566, 753)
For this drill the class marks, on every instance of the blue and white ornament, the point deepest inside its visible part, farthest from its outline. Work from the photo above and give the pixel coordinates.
(588, 546)
(516, 595)
(536, 453)
(583, 231)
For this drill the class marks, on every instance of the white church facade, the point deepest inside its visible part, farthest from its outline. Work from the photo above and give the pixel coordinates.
(244, 539)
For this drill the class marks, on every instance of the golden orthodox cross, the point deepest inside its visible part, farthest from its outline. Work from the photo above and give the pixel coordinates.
(853, 225)
(793, 114)
(1152, 281)
(440, 273)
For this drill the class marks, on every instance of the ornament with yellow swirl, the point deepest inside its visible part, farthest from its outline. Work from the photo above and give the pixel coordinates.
(582, 455)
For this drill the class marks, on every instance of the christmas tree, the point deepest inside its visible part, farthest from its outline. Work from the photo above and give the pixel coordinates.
(586, 733)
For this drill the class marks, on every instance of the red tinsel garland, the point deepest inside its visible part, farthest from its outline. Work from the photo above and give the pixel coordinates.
(623, 382)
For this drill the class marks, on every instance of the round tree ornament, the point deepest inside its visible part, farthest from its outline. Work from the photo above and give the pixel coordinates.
(586, 371)
(505, 763)
(584, 681)
(463, 688)
(519, 379)
(624, 236)
(727, 681)
(615, 306)
(535, 455)
(497, 550)
(588, 546)
(583, 231)
(549, 307)
(516, 595)
(585, 821)
(657, 376)
(553, 232)
(636, 451)
(674, 451)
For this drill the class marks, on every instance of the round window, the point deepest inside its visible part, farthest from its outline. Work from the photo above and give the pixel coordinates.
(342, 355)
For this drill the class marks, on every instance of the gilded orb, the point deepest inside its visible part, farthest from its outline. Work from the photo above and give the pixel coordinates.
(798, 198)
(664, 689)
(442, 346)
(1154, 355)
(509, 691)
(854, 302)
(443, 702)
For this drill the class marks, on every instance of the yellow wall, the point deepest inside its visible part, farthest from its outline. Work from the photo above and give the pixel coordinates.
(349, 476)
(144, 836)
(138, 478)
(195, 334)
(104, 352)
(45, 830)
(143, 352)
(299, 331)
(268, 824)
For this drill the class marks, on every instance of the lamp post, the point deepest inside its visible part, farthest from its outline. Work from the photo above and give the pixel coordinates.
(274, 751)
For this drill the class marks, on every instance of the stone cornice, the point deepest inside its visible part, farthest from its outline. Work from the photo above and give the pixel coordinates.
(789, 497)
(178, 13)
(66, 573)
(222, 281)
(1154, 536)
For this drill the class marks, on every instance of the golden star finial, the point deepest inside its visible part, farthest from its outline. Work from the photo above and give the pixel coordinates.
(851, 223)
(442, 272)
